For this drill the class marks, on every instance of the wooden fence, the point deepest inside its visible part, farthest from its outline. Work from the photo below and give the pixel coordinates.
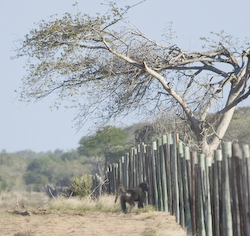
(208, 197)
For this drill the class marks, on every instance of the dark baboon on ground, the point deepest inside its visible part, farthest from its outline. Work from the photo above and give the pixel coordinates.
(131, 196)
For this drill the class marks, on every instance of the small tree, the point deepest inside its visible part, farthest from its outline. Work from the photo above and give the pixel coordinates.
(107, 68)
(107, 145)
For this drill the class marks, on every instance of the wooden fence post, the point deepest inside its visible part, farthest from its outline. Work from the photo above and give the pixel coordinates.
(167, 156)
(246, 181)
(193, 192)
(94, 184)
(158, 173)
(186, 189)
(98, 182)
(126, 170)
(119, 172)
(235, 196)
(175, 179)
(131, 170)
(163, 175)
(226, 202)
(144, 168)
(154, 176)
(245, 193)
(180, 183)
(108, 178)
(138, 170)
(208, 164)
(112, 180)
(201, 195)
(217, 193)
(150, 175)
(134, 158)
(142, 163)
(123, 170)
(239, 169)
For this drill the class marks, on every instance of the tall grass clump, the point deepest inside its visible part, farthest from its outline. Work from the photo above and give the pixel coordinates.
(80, 186)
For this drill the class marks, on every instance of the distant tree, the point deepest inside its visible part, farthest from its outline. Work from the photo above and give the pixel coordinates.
(3, 150)
(28, 154)
(39, 173)
(107, 145)
(58, 151)
(108, 68)
(70, 156)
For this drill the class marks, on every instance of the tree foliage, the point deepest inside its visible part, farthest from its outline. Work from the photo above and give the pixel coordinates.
(107, 145)
(12, 168)
(108, 68)
(53, 168)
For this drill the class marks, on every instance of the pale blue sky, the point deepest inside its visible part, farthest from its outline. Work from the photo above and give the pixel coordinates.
(35, 126)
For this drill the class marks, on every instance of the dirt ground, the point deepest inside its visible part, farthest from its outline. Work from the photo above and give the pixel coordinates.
(55, 223)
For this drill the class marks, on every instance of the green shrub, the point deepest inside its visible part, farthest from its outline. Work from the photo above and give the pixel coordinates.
(80, 186)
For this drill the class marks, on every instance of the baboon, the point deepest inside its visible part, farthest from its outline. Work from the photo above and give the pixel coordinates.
(131, 196)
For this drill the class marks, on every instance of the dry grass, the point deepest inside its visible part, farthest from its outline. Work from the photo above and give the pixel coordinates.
(25, 200)
(18, 200)
(103, 204)
(30, 214)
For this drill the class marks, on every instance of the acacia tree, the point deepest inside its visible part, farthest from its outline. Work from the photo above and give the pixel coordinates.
(109, 68)
(107, 145)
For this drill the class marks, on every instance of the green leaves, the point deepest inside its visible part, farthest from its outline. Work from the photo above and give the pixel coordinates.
(80, 186)
(109, 142)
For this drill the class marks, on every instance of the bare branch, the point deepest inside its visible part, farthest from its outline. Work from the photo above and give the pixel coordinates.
(110, 72)
(191, 81)
(230, 55)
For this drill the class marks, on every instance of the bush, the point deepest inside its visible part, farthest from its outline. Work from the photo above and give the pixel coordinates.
(80, 186)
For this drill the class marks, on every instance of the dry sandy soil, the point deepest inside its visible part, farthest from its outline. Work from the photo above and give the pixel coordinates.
(55, 223)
